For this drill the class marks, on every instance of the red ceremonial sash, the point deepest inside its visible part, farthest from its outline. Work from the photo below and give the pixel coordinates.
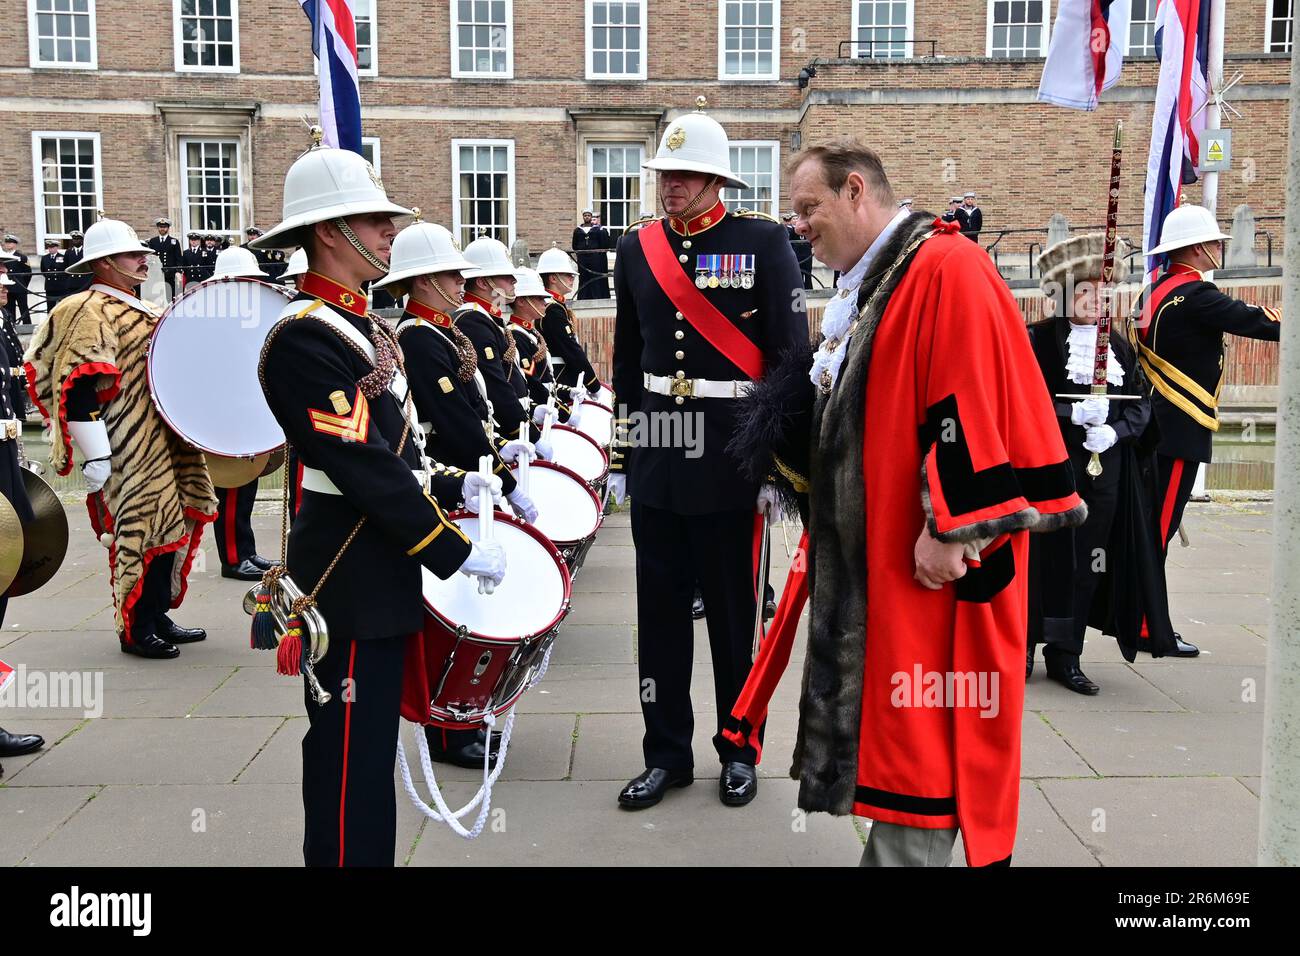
(697, 310)
(1157, 299)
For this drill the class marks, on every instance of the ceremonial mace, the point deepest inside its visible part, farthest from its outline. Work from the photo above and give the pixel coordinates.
(1105, 292)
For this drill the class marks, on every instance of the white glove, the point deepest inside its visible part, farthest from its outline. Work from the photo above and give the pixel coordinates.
(769, 503)
(1090, 411)
(96, 473)
(470, 489)
(1100, 438)
(545, 451)
(486, 559)
(524, 505)
(576, 397)
(512, 449)
(575, 416)
(618, 488)
(541, 413)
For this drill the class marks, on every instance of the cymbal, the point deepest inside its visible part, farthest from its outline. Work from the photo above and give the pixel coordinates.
(276, 462)
(45, 537)
(11, 543)
(234, 472)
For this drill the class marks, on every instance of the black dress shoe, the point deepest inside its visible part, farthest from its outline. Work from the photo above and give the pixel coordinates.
(1067, 673)
(1029, 662)
(738, 783)
(649, 788)
(463, 748)
(245, 570)
(697, 607)
(170, 631)
(1184, 648)
(769, 610)
(15, 745)
(151, 646)
(260, 562)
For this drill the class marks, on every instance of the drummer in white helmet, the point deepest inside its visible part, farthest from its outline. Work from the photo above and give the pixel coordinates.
(297, 268)
(559, 326)
(489, 290)
(237, 262)
(526, 313)
(149, 491)
(372, 511)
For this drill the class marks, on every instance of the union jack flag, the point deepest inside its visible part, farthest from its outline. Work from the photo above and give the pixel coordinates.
(334, 41)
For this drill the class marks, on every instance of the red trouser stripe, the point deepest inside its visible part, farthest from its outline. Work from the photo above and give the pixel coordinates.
(347, 732)
(232, 506)
(1171, 496)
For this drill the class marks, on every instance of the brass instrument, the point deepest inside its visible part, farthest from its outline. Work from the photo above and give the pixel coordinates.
(286, 599)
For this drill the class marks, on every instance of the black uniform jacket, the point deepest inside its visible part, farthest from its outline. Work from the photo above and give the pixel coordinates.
(696, 475)
(562, 340)
(169, 254)
(11, 480)
(454, 409)
(53, 265)
(505, 386)
(1179, 322)
(310, 375)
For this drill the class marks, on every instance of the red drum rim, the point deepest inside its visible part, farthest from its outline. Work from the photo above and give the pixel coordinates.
(148, 369)
(583, 484)
(592, 403)
(565, 577)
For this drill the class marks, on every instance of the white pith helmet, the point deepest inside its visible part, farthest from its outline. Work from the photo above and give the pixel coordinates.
(1186, 226)
(421, 249)
(108, 237)
(696, 143)
(528, 284)
(488, 257)
(297, 265)
(556, 260)
(236, 261)
(323, 184)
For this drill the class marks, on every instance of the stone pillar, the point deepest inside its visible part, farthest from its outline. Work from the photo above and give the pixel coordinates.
(1241, 249)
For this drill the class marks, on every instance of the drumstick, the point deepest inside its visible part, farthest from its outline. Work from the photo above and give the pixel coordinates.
(523, 460)
(485, 515)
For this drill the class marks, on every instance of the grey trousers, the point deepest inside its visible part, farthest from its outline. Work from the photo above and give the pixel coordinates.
(891, 844)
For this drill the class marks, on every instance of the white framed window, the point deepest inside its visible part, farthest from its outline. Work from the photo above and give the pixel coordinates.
(881, 29)
(482, 38)
(483, 189)
(370, 150)
(67, 181)
(61, 33)
(1017, 28)
(210, 186)
(1141, 28)
(1278, 38)
(365, 20)
(757, 163)
(749, 39)
(616, 40)
(615, 184)
(205, 35)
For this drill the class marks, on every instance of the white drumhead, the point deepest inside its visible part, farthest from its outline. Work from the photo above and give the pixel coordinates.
(605, 397)
(577, 454)
(526, 602)
(598, 423)
(566, 509)
(203, 366)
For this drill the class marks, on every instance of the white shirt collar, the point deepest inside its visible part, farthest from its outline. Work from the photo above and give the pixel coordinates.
(853, 278)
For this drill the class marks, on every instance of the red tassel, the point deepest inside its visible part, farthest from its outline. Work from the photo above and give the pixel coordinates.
(288, 658)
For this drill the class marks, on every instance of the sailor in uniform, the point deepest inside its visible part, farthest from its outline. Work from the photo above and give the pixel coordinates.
(270, 261)
(192, 260)
(20, 273)
(442, 368)
(53, 271)
(572, 366)
(1179, 325)
(373, 506)
(704, 303)
(526, 313)
(168, 250)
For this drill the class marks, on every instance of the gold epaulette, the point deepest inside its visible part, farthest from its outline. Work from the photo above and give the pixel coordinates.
(743, 213)
(641, 222)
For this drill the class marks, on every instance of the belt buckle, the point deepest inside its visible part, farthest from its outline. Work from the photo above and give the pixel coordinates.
(11, 429)
(682, 388)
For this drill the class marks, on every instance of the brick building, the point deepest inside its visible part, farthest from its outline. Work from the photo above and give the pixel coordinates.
(514, 115)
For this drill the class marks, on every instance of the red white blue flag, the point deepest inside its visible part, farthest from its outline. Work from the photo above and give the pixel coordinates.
(1086, 52)
(1182, 44)
(334, 41)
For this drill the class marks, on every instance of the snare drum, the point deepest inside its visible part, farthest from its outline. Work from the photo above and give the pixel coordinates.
(568, 511)
(478, 653)
(597, 422)
(202, 366)
(605, 396)
(579, 453)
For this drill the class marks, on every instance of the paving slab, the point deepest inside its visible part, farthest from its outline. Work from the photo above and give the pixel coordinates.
(1211, 687)
(1155, 745)
(1122, 689)
(594, 644)
(254, 692)
(541, 747)
(1045, 753)
(29, 816)
(1042, 838)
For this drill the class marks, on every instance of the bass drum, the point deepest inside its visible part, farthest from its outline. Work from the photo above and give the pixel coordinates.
(203, 367)
(579, 453)
(478, 653)
(568, 511)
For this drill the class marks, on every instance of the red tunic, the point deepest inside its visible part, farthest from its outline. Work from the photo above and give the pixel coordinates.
(959, 431)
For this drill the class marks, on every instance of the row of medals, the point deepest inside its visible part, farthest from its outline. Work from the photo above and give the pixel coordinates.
(704, 279)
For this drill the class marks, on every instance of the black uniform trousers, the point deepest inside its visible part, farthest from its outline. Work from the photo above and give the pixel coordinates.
(348, 797)
(673, 552)
(155, 598)
(234, 525)
(1174, 480)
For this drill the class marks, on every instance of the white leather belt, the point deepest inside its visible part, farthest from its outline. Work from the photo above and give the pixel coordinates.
(313, 479)
(10, 429)
(693, 387)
